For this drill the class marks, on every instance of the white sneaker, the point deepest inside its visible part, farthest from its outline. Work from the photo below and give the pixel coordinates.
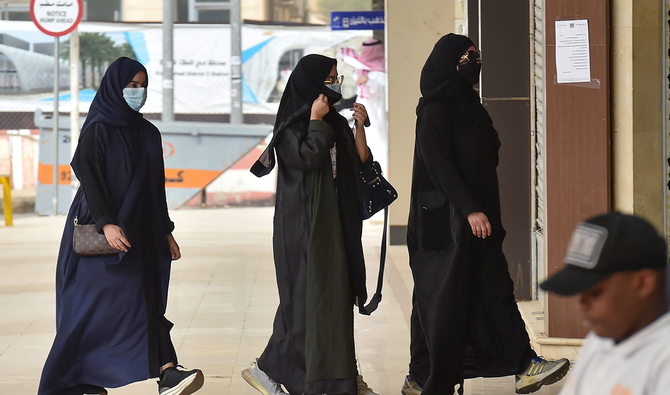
(541, 372)
(363, 388)
(261, 381)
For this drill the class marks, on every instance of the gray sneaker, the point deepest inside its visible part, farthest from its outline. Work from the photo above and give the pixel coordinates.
(261, 381)
(410, 387)
(541, 372)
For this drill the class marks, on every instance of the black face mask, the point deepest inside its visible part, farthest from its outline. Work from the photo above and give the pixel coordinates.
(333, 96)
(470, 71)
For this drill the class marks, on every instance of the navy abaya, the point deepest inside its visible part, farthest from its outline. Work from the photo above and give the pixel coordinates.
(110, 324)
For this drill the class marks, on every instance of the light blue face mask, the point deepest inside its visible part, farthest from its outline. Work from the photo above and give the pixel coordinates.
(337, 87)
(135, 97)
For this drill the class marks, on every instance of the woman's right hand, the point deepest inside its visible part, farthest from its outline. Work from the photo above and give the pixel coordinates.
(479, 222)
(320, 108)
(115, 237)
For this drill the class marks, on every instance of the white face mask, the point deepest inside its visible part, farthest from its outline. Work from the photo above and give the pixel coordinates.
(135, 97)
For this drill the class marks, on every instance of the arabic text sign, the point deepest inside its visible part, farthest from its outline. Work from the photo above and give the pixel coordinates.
(573, 62)
(56, 17)
(357, 20)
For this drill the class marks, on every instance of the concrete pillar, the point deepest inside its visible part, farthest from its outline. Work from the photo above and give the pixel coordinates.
(637, 109)
(411, 33)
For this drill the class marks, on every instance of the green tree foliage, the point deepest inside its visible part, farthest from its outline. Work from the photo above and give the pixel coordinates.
(325, 7)
(97, 50)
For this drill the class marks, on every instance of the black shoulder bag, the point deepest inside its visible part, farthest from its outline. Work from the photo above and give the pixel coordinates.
(378, 194)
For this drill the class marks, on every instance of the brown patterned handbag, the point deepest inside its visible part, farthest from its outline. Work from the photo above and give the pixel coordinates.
(88, 242)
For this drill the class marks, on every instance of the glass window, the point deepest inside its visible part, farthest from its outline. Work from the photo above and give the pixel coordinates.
(214, 16)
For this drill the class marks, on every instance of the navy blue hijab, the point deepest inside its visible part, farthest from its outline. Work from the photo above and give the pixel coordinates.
(109, 106)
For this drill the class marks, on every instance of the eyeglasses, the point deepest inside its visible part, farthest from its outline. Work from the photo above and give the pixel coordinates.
(334, 80)
(472, 57)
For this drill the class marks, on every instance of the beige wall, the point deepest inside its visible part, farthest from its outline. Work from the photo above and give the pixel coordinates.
(152, 10)
(637, 99)
(143, 11)
(255, 10)
(411, 33)
(459, 14)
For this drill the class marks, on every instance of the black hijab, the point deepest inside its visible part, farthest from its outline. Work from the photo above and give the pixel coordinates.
(304, 85)
(109, 106)
(439, 78)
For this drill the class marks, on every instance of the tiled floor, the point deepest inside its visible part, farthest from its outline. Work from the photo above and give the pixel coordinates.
(222, 300)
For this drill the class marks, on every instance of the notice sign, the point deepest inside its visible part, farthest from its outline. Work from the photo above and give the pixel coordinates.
(573, 61)
(56, 17)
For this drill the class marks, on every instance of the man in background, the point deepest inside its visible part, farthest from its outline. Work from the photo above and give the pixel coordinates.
(616, 264)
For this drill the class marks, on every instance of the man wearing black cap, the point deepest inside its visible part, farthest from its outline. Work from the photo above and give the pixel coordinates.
(616, 263)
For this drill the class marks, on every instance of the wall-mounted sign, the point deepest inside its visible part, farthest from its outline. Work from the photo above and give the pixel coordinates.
(357, 20)
(573, 61)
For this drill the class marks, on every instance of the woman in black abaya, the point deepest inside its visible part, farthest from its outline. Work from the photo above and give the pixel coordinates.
(110, 324)
(317, 238)
(465, 322)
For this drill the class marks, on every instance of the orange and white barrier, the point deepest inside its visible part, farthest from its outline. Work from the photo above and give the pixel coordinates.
(238, 187)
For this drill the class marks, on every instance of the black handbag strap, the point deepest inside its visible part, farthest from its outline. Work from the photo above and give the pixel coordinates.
(374, 302)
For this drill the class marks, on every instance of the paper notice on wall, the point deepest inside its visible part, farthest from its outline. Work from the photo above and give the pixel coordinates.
(573, 61)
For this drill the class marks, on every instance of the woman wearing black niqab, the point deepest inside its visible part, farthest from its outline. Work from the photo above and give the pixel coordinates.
(465, 322)
(110, 324)
(317, 238)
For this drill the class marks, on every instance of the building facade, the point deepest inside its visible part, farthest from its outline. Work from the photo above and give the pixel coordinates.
(569, 151)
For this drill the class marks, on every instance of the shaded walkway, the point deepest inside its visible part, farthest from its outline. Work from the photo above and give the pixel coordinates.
(222, 300)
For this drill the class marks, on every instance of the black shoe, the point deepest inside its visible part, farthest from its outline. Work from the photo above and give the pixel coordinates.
(94, 390)
(174, 381)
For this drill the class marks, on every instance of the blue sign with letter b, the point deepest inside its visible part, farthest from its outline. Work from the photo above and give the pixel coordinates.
(357, 20)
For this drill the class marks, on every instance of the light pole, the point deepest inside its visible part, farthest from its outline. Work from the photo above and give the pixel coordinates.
(236, 116)
(168, 81)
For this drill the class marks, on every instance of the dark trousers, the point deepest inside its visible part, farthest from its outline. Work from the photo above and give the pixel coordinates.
(465, 322)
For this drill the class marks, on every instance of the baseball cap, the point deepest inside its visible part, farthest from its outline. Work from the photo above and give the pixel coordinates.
(604, 245)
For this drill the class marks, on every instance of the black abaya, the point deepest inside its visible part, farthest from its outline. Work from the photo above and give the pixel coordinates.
(316, 241)
(465, 322)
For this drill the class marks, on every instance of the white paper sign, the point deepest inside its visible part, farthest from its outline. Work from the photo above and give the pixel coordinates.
(573, 61)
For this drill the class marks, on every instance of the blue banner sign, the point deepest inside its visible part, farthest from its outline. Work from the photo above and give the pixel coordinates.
(357, 20)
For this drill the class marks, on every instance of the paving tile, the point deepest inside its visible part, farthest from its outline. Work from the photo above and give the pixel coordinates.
(222, 300)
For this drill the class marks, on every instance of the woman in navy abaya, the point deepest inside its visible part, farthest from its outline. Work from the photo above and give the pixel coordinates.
(110, 324)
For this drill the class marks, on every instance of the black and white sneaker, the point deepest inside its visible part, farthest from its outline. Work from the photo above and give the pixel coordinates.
(175, 381)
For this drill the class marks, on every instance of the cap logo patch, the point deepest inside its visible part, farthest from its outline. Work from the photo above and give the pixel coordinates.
(585, 246)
